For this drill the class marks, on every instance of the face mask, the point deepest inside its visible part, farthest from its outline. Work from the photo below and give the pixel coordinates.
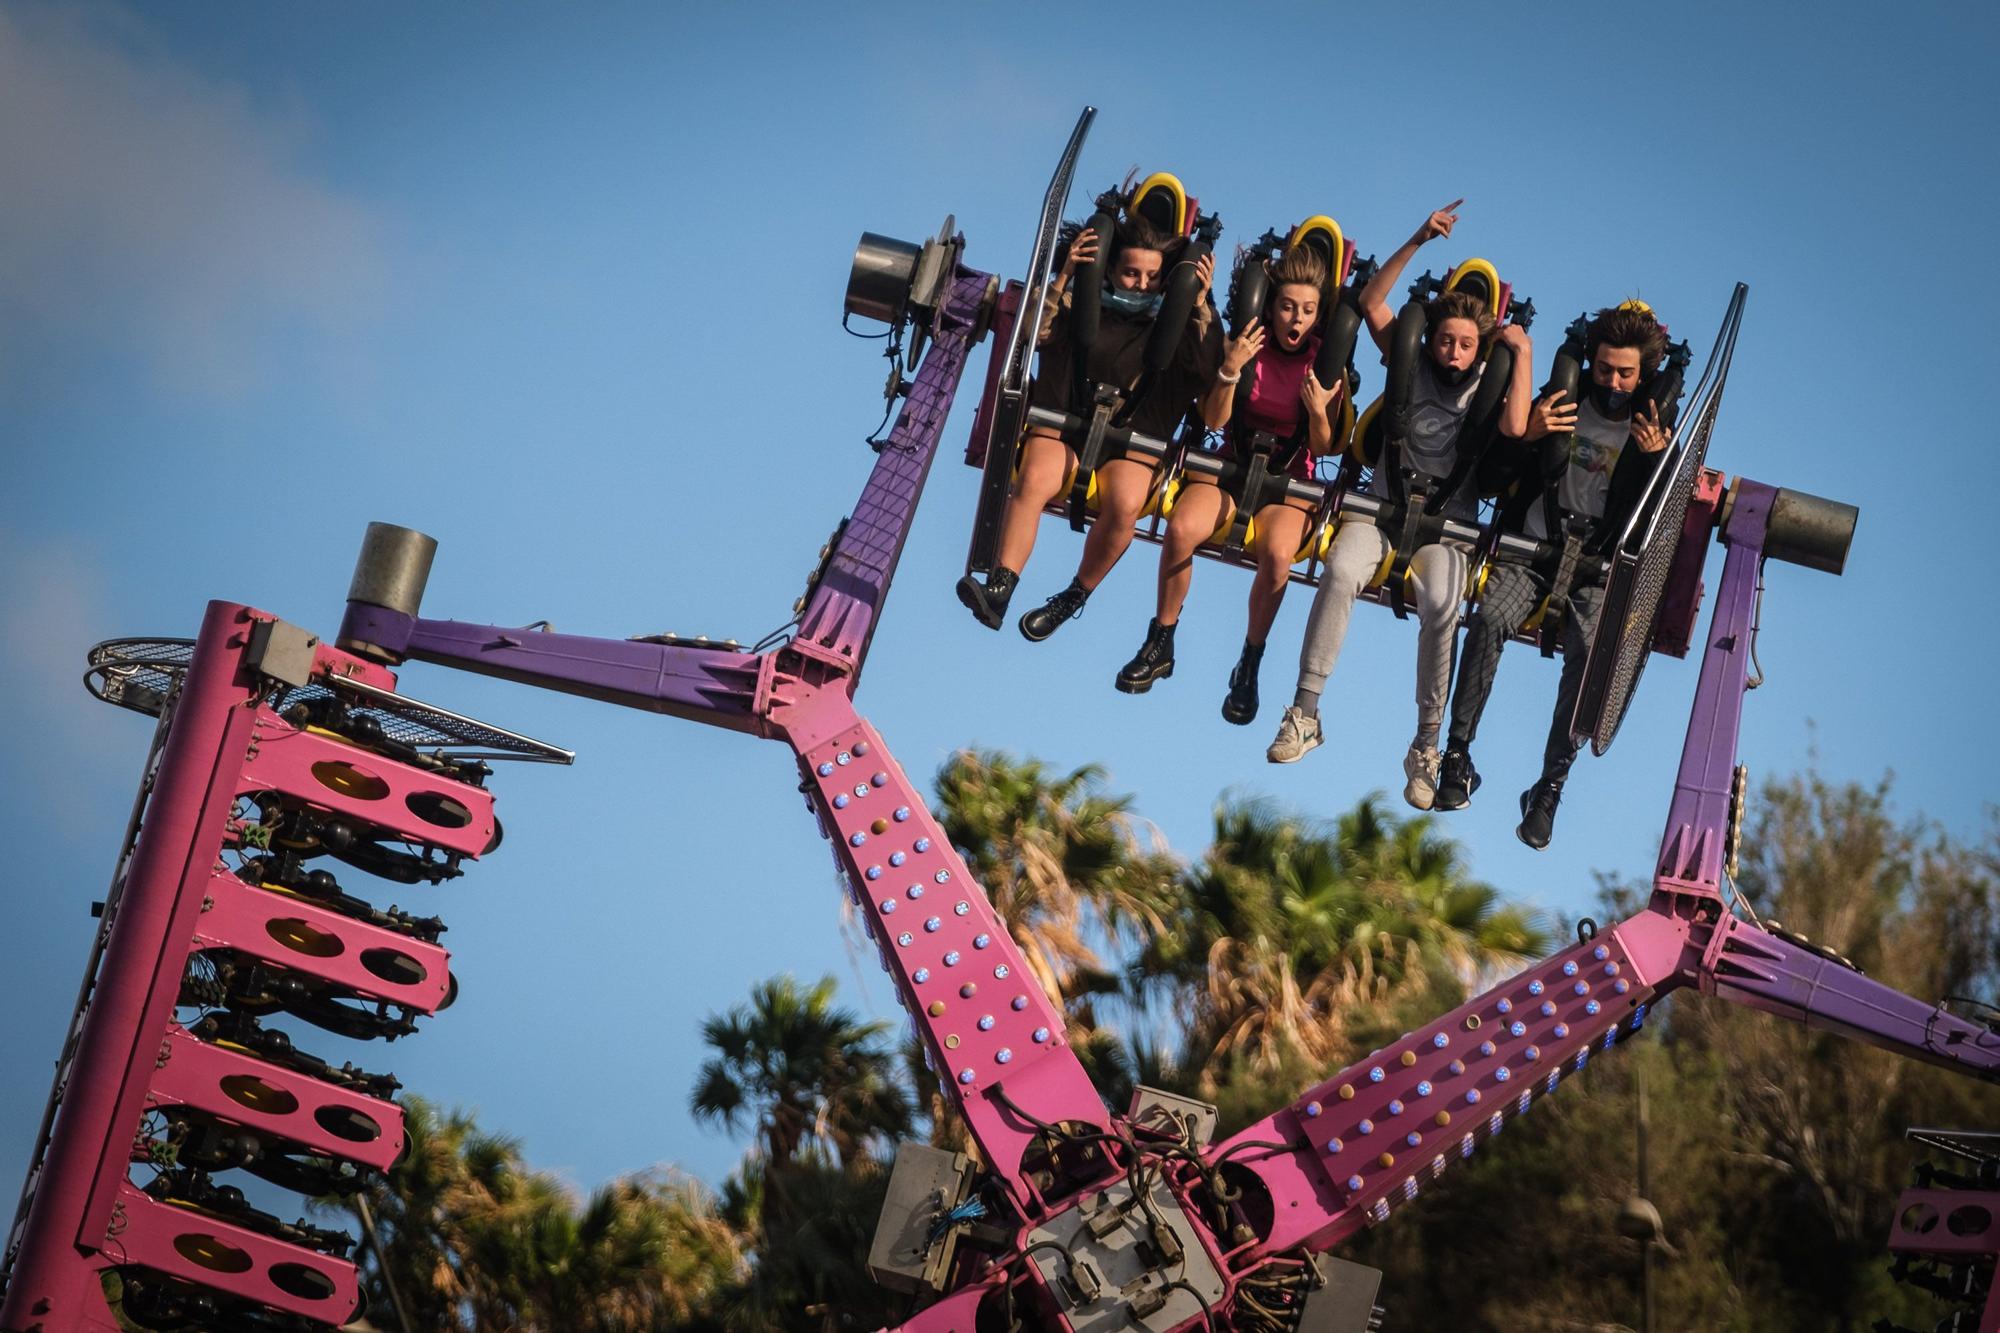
(1135, 304)
(1608, 401)
(1451, 379)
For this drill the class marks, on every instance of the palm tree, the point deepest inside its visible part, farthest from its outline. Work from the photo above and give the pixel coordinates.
(1295, 933)
(804, 1071)
(1062, 863)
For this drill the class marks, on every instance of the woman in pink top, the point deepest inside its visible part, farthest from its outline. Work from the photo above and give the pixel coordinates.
(1277, 352)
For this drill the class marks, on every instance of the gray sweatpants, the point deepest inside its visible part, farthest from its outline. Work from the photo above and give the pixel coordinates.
(1511, 596)
(1437, 578)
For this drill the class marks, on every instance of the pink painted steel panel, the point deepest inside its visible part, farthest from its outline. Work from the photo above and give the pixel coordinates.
(198, 1074)
(174, 1241)
(292, 931)
(308, 763)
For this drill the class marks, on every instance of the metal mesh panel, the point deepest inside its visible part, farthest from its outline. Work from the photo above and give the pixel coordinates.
(1649, 583)
(141, 673)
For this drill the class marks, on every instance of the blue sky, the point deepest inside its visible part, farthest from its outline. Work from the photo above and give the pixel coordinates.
(561, 287)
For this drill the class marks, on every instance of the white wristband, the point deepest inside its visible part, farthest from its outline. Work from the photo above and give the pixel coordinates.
(1221, 378)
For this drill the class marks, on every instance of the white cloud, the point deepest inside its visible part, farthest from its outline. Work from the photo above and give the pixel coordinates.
(152, 213)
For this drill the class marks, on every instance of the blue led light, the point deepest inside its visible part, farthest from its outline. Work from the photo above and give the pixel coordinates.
(1517, 1029)
(1413, 1139)
(981, 941)
(1441, 1040)
(1592, 1007)
(902, 813)
(1020, 1003)
(1472, 1097)
(1562, 1030)
(1312, 1109)
(897, 858)
(843, 758)
(1041, 1035)
(1495, 1123)
(826, 770)
(921, 975)
(986, 1022)
(1532, 1053)
(1423, 1088)
(860, 789)
(905, 938)
(1000, 971)
(880, 779)
(1611, 969)
(1610, 1039)
(916, 891)
(933, 924)
(1548, 1008)
(943, 876)
(1506, 1006)
(888, 906)
(1365, 1127)
(1569, 968)
(1465, 1146)
(1456, 1066)
(874, 872)
(1600, 953)
(1395, 1106)
(857, 839)
(1376, 1075)
(965, 1076)
(1553, 1076)
(1534, 988)
(1621, 985)
(1003, 1055)
(1486, 1048)
(1640, 1012)
(1353, 1183)
(951, 959)
(840, 801)
(1503, 1073)
(861, 747)
(1582, 988)
(1527, 1100)
(1334, 1145)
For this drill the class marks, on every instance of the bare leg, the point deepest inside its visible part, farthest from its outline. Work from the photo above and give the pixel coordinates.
(1123, 487)
(1201, 509)
(1280, 529)
(1045, 462)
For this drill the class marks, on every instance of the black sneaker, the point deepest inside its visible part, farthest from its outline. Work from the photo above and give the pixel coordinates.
(988, 601)
(1457, 780)
(1047, 618)
(1240, 705)
(1154, 660)
(1538, 813)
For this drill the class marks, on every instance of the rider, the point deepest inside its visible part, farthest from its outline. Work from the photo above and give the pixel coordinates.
(1277, 353)
(1581, 480)
(1457, 327)
(1142, 257)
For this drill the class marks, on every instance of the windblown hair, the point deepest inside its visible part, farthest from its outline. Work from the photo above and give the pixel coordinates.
(1137, 233)
(1627, 327)
(1459, 305)
(1300, 266)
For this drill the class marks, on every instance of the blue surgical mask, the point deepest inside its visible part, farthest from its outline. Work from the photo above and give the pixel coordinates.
(1138, 305)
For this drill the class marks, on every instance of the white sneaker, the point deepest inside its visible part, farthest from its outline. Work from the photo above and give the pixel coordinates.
(1298, 732)
(1420, 766)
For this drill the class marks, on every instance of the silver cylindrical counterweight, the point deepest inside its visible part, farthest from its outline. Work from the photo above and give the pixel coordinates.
(394, 566)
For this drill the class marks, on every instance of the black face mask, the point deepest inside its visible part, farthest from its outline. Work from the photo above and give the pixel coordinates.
(1449, 378)
(1607, 402)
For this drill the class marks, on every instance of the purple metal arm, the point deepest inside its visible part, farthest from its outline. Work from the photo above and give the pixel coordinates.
(986, 1025)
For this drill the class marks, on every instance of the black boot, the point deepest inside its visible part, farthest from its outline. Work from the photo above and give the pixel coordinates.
(1154, 660)
(1538, 812)
(1457, 780)
(988, 602)
(1240, 706)
(1045, 619)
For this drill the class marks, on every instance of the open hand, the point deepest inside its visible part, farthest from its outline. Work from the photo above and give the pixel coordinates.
(1551, 416)
(1239, 351)
(1316, 396)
